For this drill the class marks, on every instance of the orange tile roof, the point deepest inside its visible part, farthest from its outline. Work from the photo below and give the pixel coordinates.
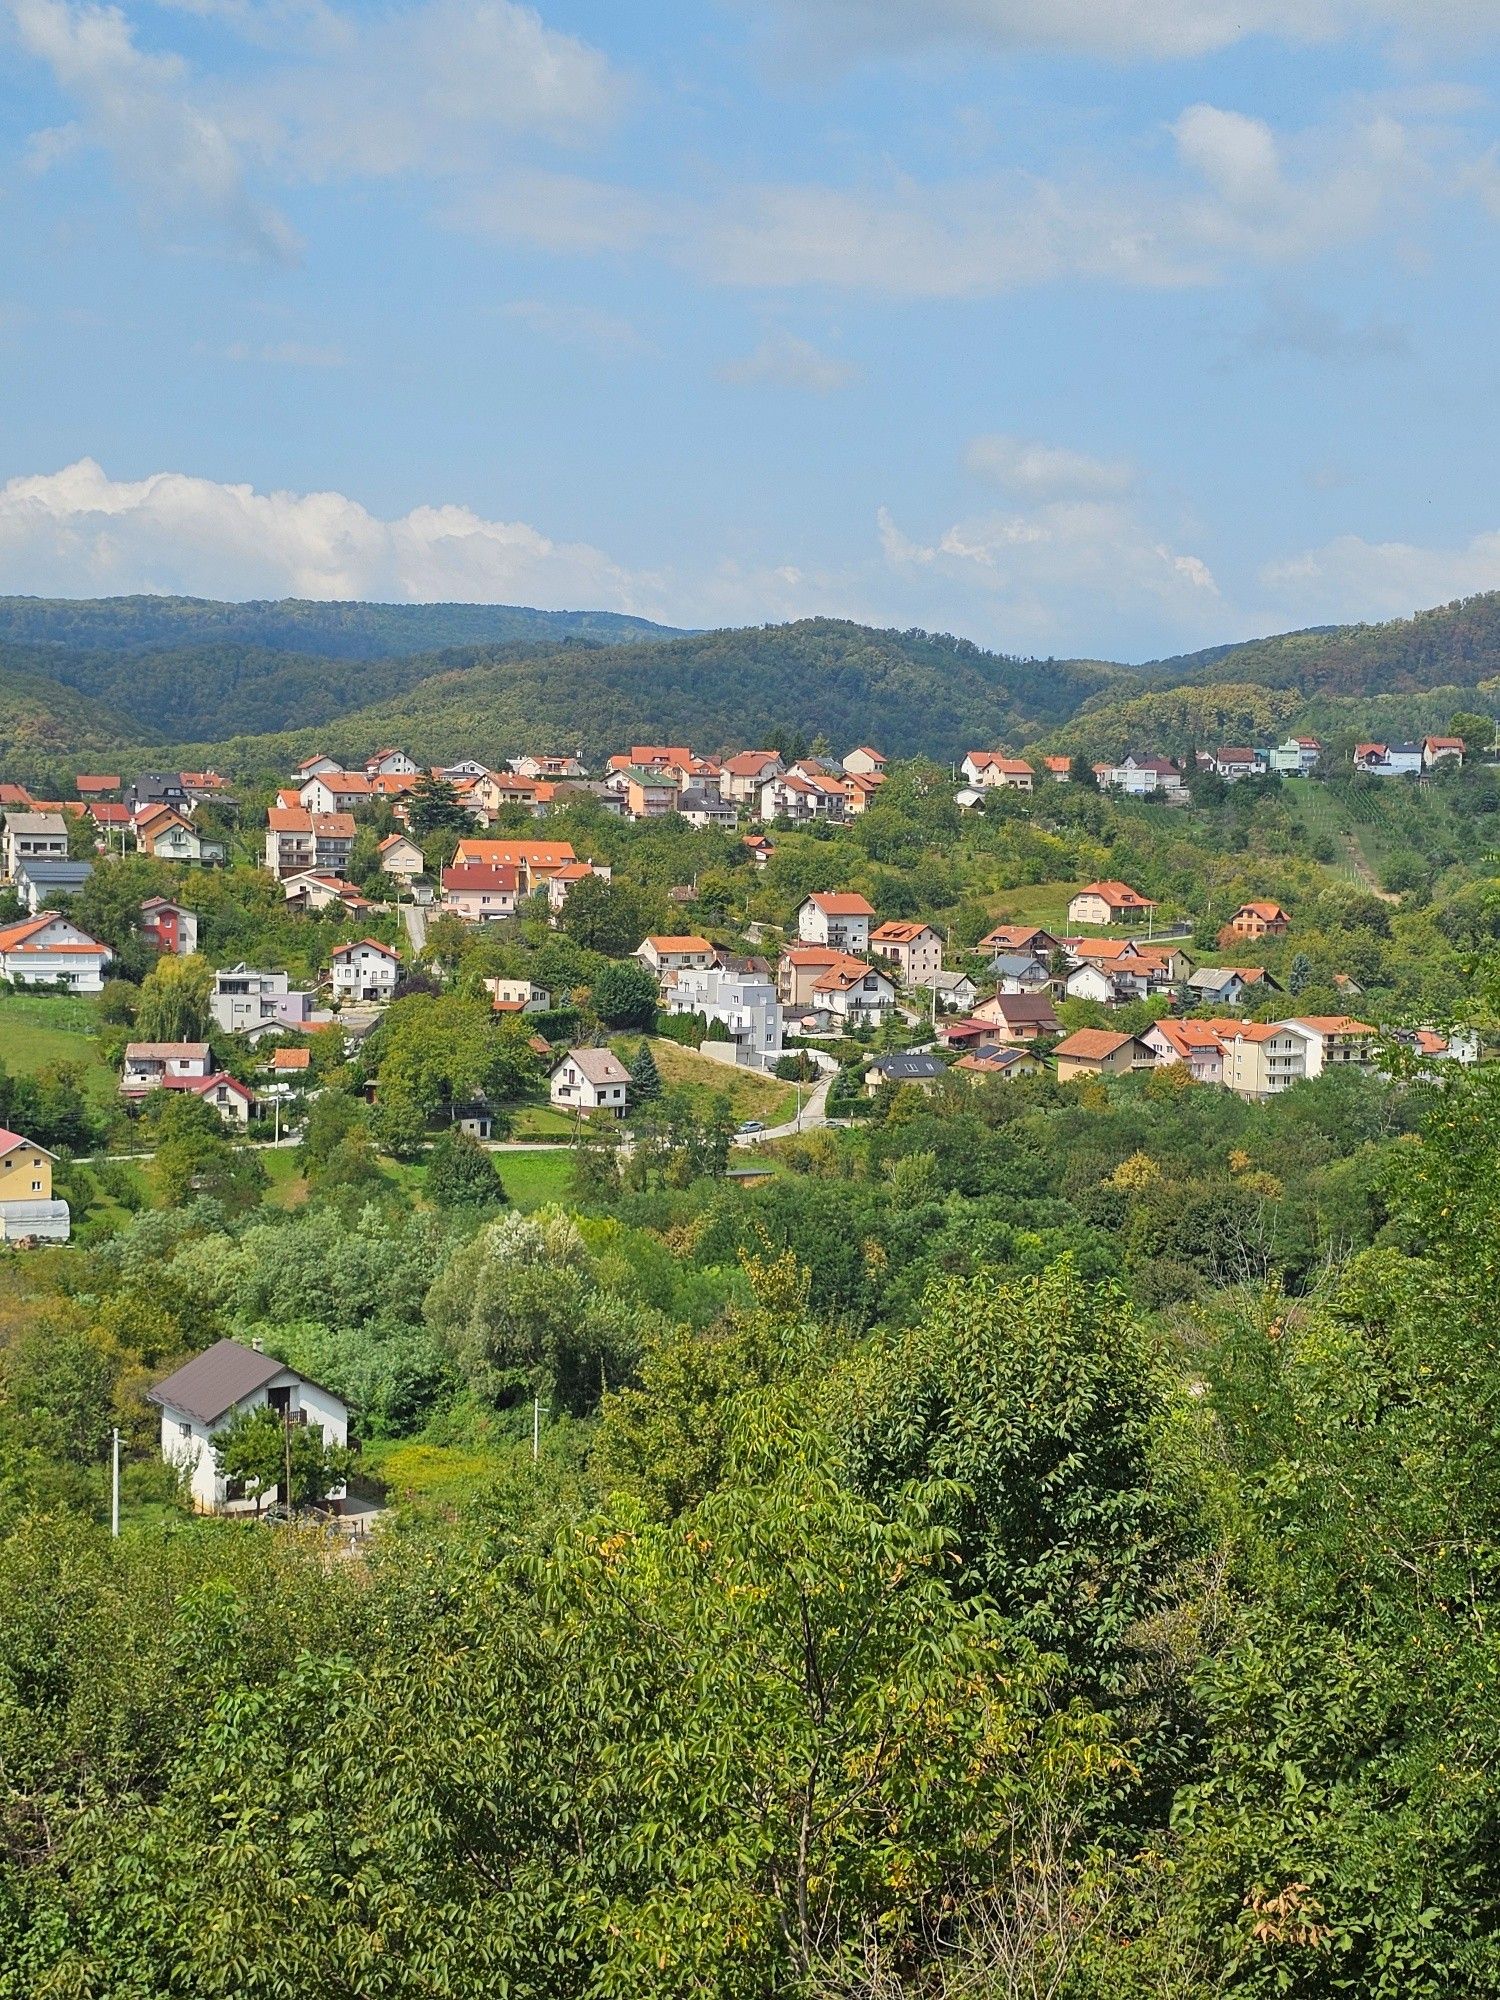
(842, 905)
(1092, 1044)
(1119, 895)
(897, 933)
(671, 946)
(291, 1059)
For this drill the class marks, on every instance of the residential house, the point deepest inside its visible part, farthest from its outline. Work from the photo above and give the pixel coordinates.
(110, 819)
(1334, 1041)
(1019, 1017)
(1100, 1052)
(1016, 972)
(252, 1003)
(1059, 770)
(1297, 757)
(921, 1070)
(1230, 985)
(586, 1080)
(861, 789)
(1099, 983)
(1007, 1064)
(96, 786)
(234, 1101)
(1442, 750)
(853, 991)
(1195, 1044)
(321, 892)
(517, 996)
(364, 971)
(840, 921)
(702, 808)
(1260, 919)
(228, 1380)
(1139, 969)
(33, 836)
(953, 992)
(1389, 760)
(163, 1065)
(650, 794)
(1236, 763)
(989, 770)
(535, 861)
(28, 1212)
(559, 764)
(400, 856)
(50, 950)
(39, 884)
(566, 879)
(968, 800)
(1262, 1059)
(1142, 777)
(15, 796)
(1109, 903)
(466, 767)
(480, 892)
(759, 849)
(915, 950)
(1026, 938)
(801, 800)
(865, 762)
(167, 834)
(300, 842)
(169, 926)
(312, 767)
(336, 791)
(741, 1000)
(392, 764)
(158, 788)
(667, 956)
(744, 774)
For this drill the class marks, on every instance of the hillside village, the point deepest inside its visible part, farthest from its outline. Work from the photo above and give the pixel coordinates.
(844, 994)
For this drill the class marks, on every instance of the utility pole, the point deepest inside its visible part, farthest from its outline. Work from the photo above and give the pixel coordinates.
(536, 1427)
(114, 1484)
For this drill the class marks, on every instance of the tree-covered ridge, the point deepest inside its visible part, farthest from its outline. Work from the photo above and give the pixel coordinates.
(42, 722)
(931, 695)
(336, 631)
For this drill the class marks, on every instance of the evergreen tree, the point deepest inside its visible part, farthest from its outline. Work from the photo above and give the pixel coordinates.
(1300, 975)
(645, 1077)
(461, 1174)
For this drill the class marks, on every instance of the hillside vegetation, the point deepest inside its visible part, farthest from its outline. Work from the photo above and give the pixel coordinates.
(40, 721)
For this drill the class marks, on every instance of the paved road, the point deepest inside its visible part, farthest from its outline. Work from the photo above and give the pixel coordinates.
(814, 1113)
(416, 925)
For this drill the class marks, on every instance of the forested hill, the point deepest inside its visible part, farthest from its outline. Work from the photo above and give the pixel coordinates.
(42, 724)
(348, 631)
(919, 693)
(1457, 645)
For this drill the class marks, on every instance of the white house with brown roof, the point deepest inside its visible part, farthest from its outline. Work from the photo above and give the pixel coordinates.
(154, 1065)
(914, 949)
(1442, 750)
(742, 775)
(517, 996)
(1100, 1052)
(400, 856)
(802, 799)
(839, 920)
(228, 1380)
(666, 956)
(51, 950)
(991, 770)
(587, 1080)
(299, 842)
(364, 971)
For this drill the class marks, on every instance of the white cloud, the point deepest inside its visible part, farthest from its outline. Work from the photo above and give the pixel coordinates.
(1064, 570)
(786, 361)
(79, 533)
(1031, 470)
(1351, 579)
(575, 326)
(142, 110)
(1122, 29)
(429, 88)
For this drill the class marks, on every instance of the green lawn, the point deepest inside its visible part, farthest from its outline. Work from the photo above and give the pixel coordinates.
(542, 1121)
(424, 1475)
(533, 1179)
(1041, 903)
(751, 1093)
(38, 1031)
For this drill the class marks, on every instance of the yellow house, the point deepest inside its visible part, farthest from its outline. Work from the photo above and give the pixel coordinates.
(25, 1169)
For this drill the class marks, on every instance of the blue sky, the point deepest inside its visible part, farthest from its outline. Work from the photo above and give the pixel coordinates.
(1076, 326)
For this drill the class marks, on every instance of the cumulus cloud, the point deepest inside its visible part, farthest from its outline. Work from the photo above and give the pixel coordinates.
(80, 533)
(1065, 569)
(1032, 470)
(1121, 29)
(1350, 579)
(142, 110)
(786, 361)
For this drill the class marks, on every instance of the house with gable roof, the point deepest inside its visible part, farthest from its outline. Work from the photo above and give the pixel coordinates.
(201, 1399)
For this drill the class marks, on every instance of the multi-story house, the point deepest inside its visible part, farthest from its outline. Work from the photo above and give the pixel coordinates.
(988, 770)
(1109, 903)
(34, 836)
(364, 971)
(915, 949)
(169, 926)
(794, 796)
(249, 1002)
(169, 835)
(480, 892)
(1334, 1041)
(841, 921)
(743, 1003)
(1297, 757)
(742, 776)
(300, 842)
(1262, 1059)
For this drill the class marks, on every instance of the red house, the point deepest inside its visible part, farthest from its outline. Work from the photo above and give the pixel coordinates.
(168, 926)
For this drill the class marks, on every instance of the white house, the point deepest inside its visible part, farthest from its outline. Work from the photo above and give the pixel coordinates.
(915, 950)
(801, 799)
(1389, 760)
(1237, 763)
(590, 1080)
(50, 950)
(400, 856)
(1141, 777)
(954, 992)
(34, 836)
(1297, 756)
(480, 892)
(988, 770)
(226, 1381)
(391, 764)
(841, 922)
(366, 970)
(853, 991)
(156, 1065)
(1442, 750)
(743, 1003)
(517, 996)
(669, 955)
(39, 884)
(169, 835)
(743, 775)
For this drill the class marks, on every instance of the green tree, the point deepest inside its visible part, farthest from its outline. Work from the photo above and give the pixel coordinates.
(645, 1077)
(259, 1449)
(1299, 974)
(461, 1174)
(624, 996)
(434, 810)
(173, 1006)
(606, 917)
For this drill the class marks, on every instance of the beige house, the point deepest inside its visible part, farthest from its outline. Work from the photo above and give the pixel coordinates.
(1100, 1052)
(989, 770)
(865, 762)
(479, 892)
(664, 955)
(400, 856)
(34, 836)
(590, 1080)
(1109, 903)
(1262, 1059)
(915, 950)
(1334, 1041)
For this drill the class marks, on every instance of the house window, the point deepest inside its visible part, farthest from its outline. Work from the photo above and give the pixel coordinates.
(185, 1430)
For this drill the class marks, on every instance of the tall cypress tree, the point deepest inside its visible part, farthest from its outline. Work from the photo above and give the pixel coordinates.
(645, 1077)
